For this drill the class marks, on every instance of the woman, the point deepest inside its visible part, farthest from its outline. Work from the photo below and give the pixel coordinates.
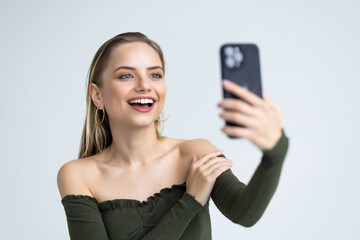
(130, 182)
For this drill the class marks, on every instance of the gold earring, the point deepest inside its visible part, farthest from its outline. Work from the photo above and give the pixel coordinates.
(159, 120)
(102, 117)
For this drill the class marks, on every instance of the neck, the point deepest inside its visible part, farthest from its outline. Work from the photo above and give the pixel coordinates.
(133, 145)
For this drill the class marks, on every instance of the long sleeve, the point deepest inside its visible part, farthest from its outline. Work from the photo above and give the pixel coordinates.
(176, 220)
(245, 204)
(84, 218)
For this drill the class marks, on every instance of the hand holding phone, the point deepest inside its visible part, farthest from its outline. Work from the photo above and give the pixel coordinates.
(240, 63)
(244, 101)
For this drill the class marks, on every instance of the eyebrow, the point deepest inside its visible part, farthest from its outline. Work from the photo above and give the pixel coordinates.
(131, 68)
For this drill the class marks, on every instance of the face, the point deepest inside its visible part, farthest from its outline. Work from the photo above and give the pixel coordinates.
(134, 70)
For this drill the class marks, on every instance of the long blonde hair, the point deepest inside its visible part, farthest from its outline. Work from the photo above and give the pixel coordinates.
(96, 137)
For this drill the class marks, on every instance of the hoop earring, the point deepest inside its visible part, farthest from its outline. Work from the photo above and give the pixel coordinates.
(102, 117)
(159, 120)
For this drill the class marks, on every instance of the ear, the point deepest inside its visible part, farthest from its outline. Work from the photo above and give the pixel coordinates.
(96, 95)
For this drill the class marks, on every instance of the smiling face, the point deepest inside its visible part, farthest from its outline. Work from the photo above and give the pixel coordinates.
(133, 70)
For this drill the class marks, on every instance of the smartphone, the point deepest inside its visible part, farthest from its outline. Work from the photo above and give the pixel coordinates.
(240, 63)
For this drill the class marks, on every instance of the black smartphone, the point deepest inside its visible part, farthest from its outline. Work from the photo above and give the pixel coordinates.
(240, 63)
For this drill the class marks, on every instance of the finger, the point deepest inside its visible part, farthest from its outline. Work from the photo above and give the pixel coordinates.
(207, 156)
(238, 105)
(238, 132)
(242, 93)
(271, 103)
(212, 167)
(213, 161)
(217, 171)
(267, 99)
(239, 118)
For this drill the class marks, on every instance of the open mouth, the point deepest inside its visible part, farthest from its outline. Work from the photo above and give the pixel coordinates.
(145, 105)
(142, 103)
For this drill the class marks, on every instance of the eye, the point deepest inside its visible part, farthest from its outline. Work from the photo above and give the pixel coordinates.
(125, 76)
(156, 75)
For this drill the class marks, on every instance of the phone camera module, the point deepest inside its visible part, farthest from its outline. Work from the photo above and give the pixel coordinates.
(233, 57)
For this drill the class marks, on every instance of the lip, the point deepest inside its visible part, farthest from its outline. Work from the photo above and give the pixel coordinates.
(143, 109)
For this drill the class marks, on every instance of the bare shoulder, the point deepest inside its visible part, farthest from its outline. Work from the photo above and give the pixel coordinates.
(71, 178)
(198, 147)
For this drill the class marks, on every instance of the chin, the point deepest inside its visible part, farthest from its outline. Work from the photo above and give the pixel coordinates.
(143, 123)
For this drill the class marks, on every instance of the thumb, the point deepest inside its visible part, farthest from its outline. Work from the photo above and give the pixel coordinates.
(194, 158)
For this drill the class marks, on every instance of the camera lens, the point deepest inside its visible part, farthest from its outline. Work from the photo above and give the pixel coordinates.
(228, 51)
(238, 56)
(229, 62)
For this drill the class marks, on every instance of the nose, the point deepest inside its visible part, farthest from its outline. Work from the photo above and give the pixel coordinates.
(143, 84)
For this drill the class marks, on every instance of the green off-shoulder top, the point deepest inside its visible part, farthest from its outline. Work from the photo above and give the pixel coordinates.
(174, 214)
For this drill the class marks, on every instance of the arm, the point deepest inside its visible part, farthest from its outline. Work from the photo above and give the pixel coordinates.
(243, 204)
(240, 203)
(176, 220)
(84, 218)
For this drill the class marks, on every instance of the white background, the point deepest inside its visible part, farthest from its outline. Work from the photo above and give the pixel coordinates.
(310, 68)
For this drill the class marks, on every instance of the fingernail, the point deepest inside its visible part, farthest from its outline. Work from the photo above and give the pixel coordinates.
(226, 82)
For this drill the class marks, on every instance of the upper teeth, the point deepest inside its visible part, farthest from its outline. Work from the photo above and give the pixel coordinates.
(142, 101)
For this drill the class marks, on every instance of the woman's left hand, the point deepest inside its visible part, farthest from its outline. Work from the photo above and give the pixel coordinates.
(261, 118)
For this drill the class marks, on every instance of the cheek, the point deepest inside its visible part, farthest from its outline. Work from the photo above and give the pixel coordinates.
(115, 96)
(161, 89)
(161, 92)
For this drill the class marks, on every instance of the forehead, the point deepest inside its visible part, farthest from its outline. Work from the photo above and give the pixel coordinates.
(136, 54)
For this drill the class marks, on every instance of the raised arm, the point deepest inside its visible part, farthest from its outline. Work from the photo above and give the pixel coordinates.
(245, 204)
(240, 203)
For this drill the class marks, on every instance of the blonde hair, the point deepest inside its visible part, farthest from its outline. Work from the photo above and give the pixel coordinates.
(96, 137)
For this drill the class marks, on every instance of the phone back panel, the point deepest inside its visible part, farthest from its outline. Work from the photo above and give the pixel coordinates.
(240, 63)
(244, 69)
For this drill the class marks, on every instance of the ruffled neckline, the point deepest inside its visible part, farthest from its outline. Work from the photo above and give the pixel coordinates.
(123, 202)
